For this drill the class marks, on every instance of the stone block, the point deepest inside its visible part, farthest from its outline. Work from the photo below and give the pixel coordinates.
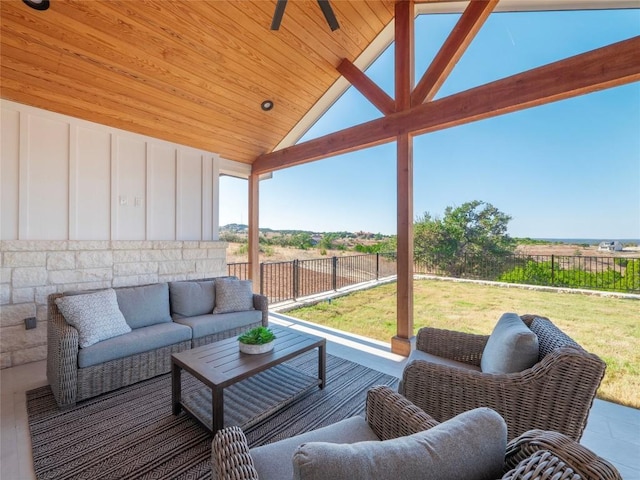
(5, 360)
(142, 268)
(183, 266)
(190, 244)
(89, 275)
(15, 314)
(215, 253)
(94, 259)
(25, 259)
(16, 338)
(126, 256)
(23, 295)
(174, 278)
(29, 355)
(131, 244)
(5, 294)
(32, 245)
(196, 253)
(160, 255)
(88, 245)
(29, 277)
(70, 287)
(61, 261)
(212, 267)
(42, 294)
(167, 245)
(5, 274)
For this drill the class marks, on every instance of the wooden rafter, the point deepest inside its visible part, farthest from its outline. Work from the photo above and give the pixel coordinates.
(452, 50)
(367, 87)
(605, 67)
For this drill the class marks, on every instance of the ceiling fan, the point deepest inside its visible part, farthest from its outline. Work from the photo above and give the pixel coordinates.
(324, 6)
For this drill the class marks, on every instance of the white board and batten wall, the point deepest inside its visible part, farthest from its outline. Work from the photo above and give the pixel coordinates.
(88, 206)
(65, 178)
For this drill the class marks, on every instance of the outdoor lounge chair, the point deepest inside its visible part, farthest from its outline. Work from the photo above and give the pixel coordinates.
(443, 377)
(398, 440)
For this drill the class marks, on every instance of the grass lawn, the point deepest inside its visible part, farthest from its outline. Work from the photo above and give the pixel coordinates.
(608, 327)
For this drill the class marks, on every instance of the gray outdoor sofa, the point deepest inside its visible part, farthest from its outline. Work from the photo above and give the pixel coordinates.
(124, 335)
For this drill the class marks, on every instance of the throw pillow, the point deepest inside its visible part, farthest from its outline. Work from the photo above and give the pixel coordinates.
(192, 298)
(96, 316)
(233, 295)
(511, 347)
(471, 445)
(144, 305)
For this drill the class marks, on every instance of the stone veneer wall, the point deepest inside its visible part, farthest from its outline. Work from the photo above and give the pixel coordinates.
(31, 270)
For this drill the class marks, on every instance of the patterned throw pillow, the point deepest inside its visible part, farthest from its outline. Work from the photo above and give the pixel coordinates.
(96, 316)
(233, 295)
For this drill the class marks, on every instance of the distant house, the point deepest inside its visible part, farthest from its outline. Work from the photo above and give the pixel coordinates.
(611, 246)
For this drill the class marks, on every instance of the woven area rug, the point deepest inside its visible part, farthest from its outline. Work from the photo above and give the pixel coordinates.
(131, 433)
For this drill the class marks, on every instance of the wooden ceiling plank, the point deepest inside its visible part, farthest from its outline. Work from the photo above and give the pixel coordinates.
(194, 95)
(367, 87)
(606, 67)
(144, 55)
(452, 50)
(70, 72)
(101, 108)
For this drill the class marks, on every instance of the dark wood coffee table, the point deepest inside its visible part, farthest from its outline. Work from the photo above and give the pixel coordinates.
(221, 364)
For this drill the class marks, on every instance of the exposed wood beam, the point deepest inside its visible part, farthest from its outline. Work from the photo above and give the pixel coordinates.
(404, 53)
(606, 67)
(404, 70)
(367, 87)
(254, 231)
(452, 50)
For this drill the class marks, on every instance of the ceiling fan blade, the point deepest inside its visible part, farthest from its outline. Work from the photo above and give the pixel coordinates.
(277, 15)
(329, 15)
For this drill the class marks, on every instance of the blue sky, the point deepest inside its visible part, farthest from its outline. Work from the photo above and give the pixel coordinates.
(569, 169)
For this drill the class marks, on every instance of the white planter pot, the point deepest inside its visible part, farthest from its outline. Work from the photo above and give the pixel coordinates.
(255, 349)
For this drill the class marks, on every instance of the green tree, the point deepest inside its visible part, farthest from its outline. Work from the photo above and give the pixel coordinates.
(473, 230)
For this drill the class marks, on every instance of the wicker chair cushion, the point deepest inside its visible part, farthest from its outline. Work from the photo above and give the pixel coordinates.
(145, 305)
(233, 295)
(96, 316)
(470, 446)
(511, 347)
(189, 299)
(273, 461)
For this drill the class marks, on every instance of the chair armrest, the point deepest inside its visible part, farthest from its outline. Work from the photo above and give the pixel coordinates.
(459, 346)
(542, 465)
(62, 355)
(230, 458)
(577, 458)
(261, 302)
(390, 415)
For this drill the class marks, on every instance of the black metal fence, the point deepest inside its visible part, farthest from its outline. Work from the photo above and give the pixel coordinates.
(281, 281)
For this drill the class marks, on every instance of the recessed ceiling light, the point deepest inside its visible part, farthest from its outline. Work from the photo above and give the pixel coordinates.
(267, 105)
(37, 4)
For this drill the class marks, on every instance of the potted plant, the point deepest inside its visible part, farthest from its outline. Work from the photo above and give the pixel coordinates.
(257, 340)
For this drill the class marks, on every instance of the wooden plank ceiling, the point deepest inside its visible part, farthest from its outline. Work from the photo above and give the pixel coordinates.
(192, 72)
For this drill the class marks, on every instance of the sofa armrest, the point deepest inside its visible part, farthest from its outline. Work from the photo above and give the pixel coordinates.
(390, 415)
(230, 458)
(261, 302)
(540, 446)
(459, 346)
(62, 355)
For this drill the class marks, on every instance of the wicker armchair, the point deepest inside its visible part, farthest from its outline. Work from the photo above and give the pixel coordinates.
(535, 455)
(555, 394)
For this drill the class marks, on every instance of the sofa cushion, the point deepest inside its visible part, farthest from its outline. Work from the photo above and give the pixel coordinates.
(95, 315)
(233, 295)
(211, 324)
(471, 445)
(137, 341)
(274, 460)
(511, 347)
(191, 298)
(145, 305)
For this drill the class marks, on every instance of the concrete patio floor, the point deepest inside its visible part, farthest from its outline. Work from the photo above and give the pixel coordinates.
(613, 431)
